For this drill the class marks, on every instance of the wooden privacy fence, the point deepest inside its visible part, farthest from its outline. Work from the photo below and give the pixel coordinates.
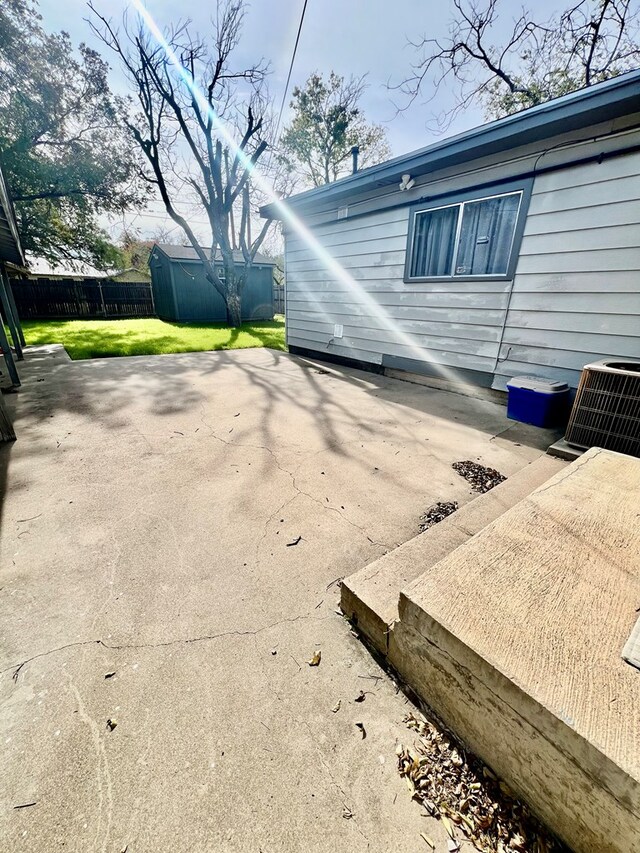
(60, 299)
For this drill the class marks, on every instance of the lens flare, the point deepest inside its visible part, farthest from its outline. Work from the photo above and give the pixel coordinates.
(335, 270)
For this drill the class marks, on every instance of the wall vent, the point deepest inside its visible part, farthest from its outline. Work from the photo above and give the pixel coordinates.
(606, 411)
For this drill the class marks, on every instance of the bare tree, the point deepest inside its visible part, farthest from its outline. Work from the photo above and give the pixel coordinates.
(191, 100)
(589, 42)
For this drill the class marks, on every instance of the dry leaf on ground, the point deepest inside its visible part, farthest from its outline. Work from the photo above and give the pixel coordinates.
(315, 660)
(436, 513)
(482, 479)
(466, 795)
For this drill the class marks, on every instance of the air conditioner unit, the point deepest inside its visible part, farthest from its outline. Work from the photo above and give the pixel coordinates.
(606, 411)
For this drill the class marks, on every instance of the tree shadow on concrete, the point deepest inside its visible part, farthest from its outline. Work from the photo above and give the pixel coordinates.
(110, 392)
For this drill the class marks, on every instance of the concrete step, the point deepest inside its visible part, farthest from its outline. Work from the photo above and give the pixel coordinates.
(514, 639)
(370, 596)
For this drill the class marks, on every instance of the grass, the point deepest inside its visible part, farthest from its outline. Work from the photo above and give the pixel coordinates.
(110, 338)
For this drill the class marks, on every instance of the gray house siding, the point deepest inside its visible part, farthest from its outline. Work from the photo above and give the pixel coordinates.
(576, 293)
(575, 296)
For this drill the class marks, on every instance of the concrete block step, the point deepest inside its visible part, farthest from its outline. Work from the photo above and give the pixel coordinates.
(370, 596)
(515, 640)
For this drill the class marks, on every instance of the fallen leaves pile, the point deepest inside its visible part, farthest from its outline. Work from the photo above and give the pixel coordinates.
(437, 512)
(482, 479)
(466, 796)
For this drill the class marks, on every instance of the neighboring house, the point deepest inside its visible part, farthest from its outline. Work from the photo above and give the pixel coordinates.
(181, 291)
(511, 249)
(39, 269)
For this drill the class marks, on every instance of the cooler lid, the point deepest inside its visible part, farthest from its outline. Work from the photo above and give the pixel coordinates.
(537, 383)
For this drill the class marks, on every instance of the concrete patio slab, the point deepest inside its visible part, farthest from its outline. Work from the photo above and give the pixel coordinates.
(515, 639)
(150, 510)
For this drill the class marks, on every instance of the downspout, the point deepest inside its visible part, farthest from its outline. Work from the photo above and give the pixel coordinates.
(504, 326)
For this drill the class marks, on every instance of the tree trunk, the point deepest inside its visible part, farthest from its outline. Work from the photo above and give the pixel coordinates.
(233, 289)
(233, 308)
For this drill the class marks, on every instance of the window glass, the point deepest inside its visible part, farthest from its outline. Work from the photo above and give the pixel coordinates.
(486, 235)
(433, 242)
(481, 248)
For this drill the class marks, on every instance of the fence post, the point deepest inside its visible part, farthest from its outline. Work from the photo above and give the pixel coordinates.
(14, 309)
(8, 314)
(104, 309)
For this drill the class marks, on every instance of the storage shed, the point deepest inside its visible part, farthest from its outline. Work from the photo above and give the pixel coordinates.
(182, 293)
(510, 249)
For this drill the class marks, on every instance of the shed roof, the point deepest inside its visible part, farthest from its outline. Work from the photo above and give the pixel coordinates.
(188, 253)
(10, 245)
(606, 101)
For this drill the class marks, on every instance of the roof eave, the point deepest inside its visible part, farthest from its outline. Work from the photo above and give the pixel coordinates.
(613, 99)
(15, 254)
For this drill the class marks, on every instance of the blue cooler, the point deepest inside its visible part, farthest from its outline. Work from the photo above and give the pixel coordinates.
(541, 402)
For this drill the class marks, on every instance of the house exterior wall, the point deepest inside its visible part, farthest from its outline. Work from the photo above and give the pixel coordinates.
(575, 296)
(576, 293)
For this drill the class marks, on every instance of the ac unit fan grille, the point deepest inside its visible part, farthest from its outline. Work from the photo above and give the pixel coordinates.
(606, 411)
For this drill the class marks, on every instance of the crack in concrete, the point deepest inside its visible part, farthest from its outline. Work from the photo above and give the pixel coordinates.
(502, 432)
(102, 770)
(299, 491)
(327, 506)
(304, 723)
(165, 643)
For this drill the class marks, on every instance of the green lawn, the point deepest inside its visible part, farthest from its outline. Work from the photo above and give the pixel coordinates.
(104, 338)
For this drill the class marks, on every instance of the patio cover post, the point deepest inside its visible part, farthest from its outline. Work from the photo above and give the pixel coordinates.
(7, 433)
(7, 313)
(14, 309)
(8, 357)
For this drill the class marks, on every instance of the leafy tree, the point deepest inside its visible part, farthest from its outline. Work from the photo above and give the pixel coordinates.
(135, 250)
(191, 97)
(327, 123)
(590, 41)
(65, 156)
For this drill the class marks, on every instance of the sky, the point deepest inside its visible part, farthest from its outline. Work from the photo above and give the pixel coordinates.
(352, 38)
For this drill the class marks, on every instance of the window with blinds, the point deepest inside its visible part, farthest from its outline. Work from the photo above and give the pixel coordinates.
(473, 238)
